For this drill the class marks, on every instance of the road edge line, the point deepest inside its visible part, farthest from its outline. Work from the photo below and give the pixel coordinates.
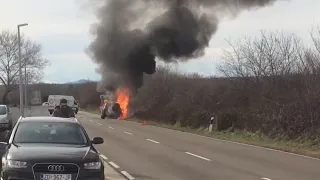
(114, 165)
(103, 157)
(127, 175)
(119, 170)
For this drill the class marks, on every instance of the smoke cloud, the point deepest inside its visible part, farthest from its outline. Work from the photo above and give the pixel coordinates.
(130, 34)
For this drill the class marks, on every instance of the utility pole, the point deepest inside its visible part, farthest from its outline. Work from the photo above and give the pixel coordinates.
(25, 84)
(20, 70)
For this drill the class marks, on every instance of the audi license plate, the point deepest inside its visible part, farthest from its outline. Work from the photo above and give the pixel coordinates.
(55, 177)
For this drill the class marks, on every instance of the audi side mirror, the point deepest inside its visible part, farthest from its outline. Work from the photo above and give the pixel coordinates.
(97, 140)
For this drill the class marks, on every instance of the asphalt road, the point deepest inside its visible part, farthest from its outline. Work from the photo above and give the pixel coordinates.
(147, 152)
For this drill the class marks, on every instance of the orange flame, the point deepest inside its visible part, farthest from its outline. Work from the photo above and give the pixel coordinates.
(123, 100)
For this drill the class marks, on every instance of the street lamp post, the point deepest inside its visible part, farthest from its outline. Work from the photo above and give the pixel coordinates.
(20, 70)
(25, 83)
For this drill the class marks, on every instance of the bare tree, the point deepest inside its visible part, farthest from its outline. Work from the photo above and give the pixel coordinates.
(268, 56)
(315, 36)
(31, 57)
(310, 58)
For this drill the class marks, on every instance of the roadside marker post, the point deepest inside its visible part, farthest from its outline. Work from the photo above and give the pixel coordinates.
(211, 124)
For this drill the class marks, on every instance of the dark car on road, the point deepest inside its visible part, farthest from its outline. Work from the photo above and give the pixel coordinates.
(111, 110)
(50, 148)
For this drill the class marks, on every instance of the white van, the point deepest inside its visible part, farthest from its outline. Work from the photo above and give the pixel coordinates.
(54, 100)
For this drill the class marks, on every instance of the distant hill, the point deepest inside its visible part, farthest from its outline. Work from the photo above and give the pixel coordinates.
(81, 81)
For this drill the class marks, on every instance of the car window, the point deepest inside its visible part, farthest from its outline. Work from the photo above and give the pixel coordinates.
(3, 110)
(50, 132)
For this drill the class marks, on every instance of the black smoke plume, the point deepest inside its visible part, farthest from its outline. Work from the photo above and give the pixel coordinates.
(130, 35)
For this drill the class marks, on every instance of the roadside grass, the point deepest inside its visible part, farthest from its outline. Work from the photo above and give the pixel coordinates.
(307, 148)
(93, 110)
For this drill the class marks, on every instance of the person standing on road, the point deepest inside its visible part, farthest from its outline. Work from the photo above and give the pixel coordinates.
(63, 110)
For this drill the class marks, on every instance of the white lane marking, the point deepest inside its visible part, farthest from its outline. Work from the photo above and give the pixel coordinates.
(100, 124)
(233, 142)
(127, 175)
(114, 165)
(91, 121)
(111, 127)
(104, 157)
(227, 141)
(127, 133)
(198, 156)
(266, 178)
(153, 141)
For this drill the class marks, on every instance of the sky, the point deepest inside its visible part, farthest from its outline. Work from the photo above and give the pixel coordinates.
(62, 27)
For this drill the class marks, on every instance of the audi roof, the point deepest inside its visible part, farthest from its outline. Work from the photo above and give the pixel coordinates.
(47, 119)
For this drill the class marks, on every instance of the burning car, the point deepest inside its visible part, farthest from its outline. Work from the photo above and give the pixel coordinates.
(115, 104)
(111, 110)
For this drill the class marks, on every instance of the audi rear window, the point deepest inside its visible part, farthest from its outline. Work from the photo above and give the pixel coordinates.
(50, 132)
